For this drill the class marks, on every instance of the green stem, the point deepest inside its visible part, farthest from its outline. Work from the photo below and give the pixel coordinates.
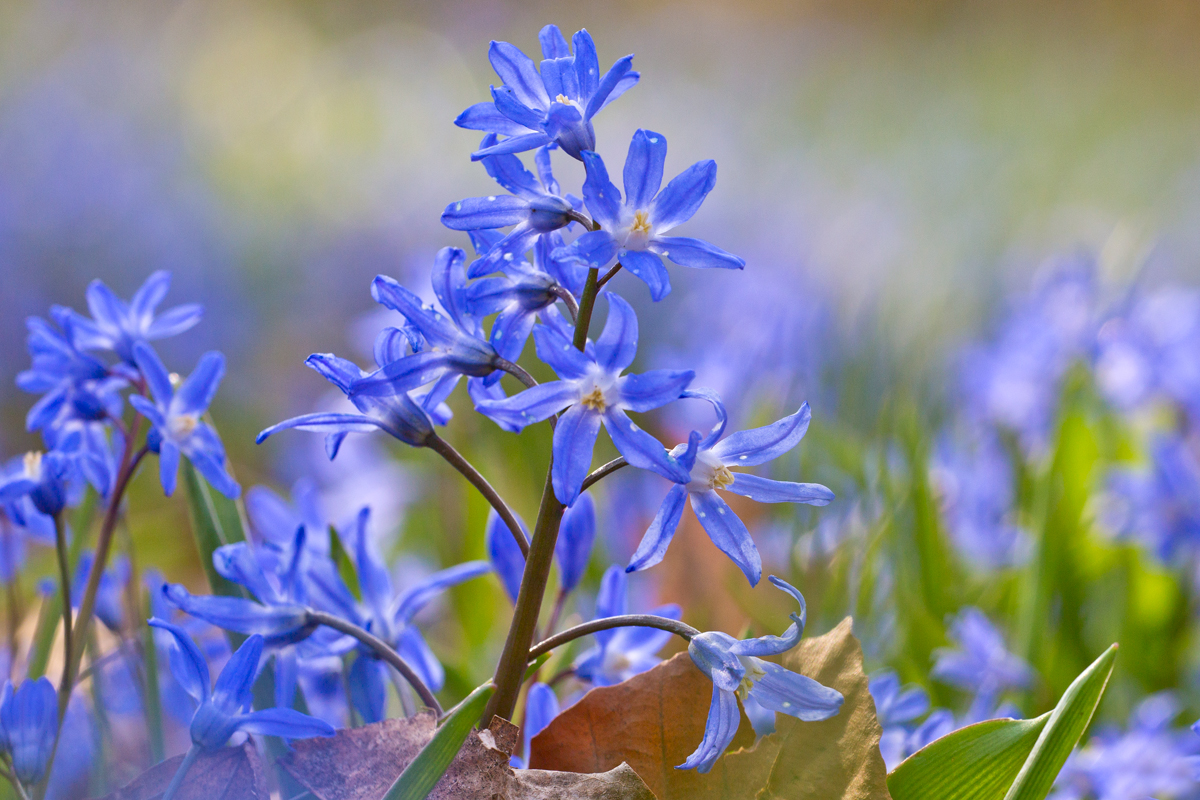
(188, 759)
(64, 576)
(455, 459)
(510, 671)
(16, 784)
(601, 472)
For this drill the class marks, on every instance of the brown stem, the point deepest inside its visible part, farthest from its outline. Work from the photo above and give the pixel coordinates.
(440, 446)
(604, 471)
(674, 626)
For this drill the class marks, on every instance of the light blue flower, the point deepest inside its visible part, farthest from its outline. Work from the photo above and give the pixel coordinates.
(621, 653)
(573, 548)
(541, 707)
(981, 664)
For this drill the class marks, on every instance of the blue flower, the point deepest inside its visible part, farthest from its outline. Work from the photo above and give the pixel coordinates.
(573, 548)
(896, 708)
(223, 707)
(28, 727)
(118, 326)
(541, 707)
(110, 600)
(621, 653)
(176, 419)
(737, 670)
(981, 664)
(387, 615)
(594, 392)
(557, 106)
(49, 480)
(533, 207)
(633, 231)
(276, 522)
(504, 553)
(708, 465)
(1160, 505)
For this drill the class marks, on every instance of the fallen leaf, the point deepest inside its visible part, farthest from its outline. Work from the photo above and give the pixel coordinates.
(361, 763)
(652, 721)
(655, 720)
(231, 773)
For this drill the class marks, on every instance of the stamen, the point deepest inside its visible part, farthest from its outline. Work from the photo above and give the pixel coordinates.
(722, 477)
(33, 464)
(562, 98)
(641, 223)
(594, 400)
(183, 425)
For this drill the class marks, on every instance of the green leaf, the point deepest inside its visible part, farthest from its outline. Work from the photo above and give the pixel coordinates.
(419, 777)
(216, 521)
(1009, 759)
(1069, 719)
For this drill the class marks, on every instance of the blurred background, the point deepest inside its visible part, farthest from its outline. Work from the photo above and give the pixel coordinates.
(965, 225)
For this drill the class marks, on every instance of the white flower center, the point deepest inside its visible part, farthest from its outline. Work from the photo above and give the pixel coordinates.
(754, 673)
(181, 426)
(636, 231)
(596, 391)
(708, 473)
(33, 465)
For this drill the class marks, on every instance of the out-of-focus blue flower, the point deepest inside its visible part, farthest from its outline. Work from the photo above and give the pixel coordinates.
(533, 110)
(621, 653)
(1150, 759)
(276, 522)
(175, 415)
(109, 607)
(118, 326)
(573, 547)
(223, 707)
(541, 707)
(388, 615)
(1159, 505)
(708, 463)
(45, 478)
(633, 231)
(897, 709)
(978, 499)
(736, 669)
(505, 554)
(28, 727)
(981, 664)
(594, 392)
(533, 207)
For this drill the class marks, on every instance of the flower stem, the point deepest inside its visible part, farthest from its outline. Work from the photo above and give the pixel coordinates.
(64, 576)
(189, 758)
(674, 626)
(608, 276)
(383, 650)
(516, 371)
(16, 783)
(564, 294)
(440, 446)
(604, 471)
(510, 671)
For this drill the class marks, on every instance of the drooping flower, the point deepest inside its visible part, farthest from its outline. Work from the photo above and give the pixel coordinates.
(118, 326)
(981, 664)
(594, 393)
(633, 231)
(737, 670)
(621, 653)
(708, 464)
(533, 207)
(223, 709)
(533, 109)
(573, 548)
(176, 419)
(504, 553)
(28, 727)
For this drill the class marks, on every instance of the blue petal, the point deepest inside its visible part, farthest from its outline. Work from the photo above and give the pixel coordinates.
(237, 563)
(239, 614)
(232, 690)
(719, 730)
(108, 309)
(653, 389)
(624, 83)
(574, 545)
(168, 466)
(510, 331)
(513, 144)
(697, 253)
(759, 445)
(541, 707)
(641, 449)
(149, 295)
(510, 173)
(416, 653)
(486, 117)
(532, 405)
(602, 197)
(505, 554)
(594, 248)
(553, 43)
(714, 400)
(416, 597)
(612, 85)
(765, 490)
(368, 689)
(374, 581)
(649, 268)
(587, 64)
(326, 423)
(493, 211)
(338, 371)
(402, 376)
(574, 440)
(617, 345)
(449, 281)
(644, 168)
(287, 671)
(798, 695)
(481, 393)
(175, 321)
(683, 195)
(284, 722)
(154, 372)
(510, 106)
(612, 600)
(774, 645)
(728, 533)
(211, 464)
(29, 718)
(188, 664)
(519, 73)
(658, 536)
(647, 640)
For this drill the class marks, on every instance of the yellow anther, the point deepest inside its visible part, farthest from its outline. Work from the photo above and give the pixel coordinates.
(594, 400)
(722, 477)
(562, 98)
(33, 463)
(183, 425)
(641, 223)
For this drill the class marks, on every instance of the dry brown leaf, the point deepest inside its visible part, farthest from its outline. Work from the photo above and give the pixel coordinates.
(231, 773)
(361, 763)
(652, 721)
(656, 719)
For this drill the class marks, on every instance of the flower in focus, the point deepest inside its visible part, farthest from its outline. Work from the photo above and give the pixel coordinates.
(981, 664)
(118, 326)
(533, 109)
(28, 727)
(175, 416)
(708, 463)
(737, 670)
(621, 653)
(223, 707)
(633, 231)
(594, 393)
